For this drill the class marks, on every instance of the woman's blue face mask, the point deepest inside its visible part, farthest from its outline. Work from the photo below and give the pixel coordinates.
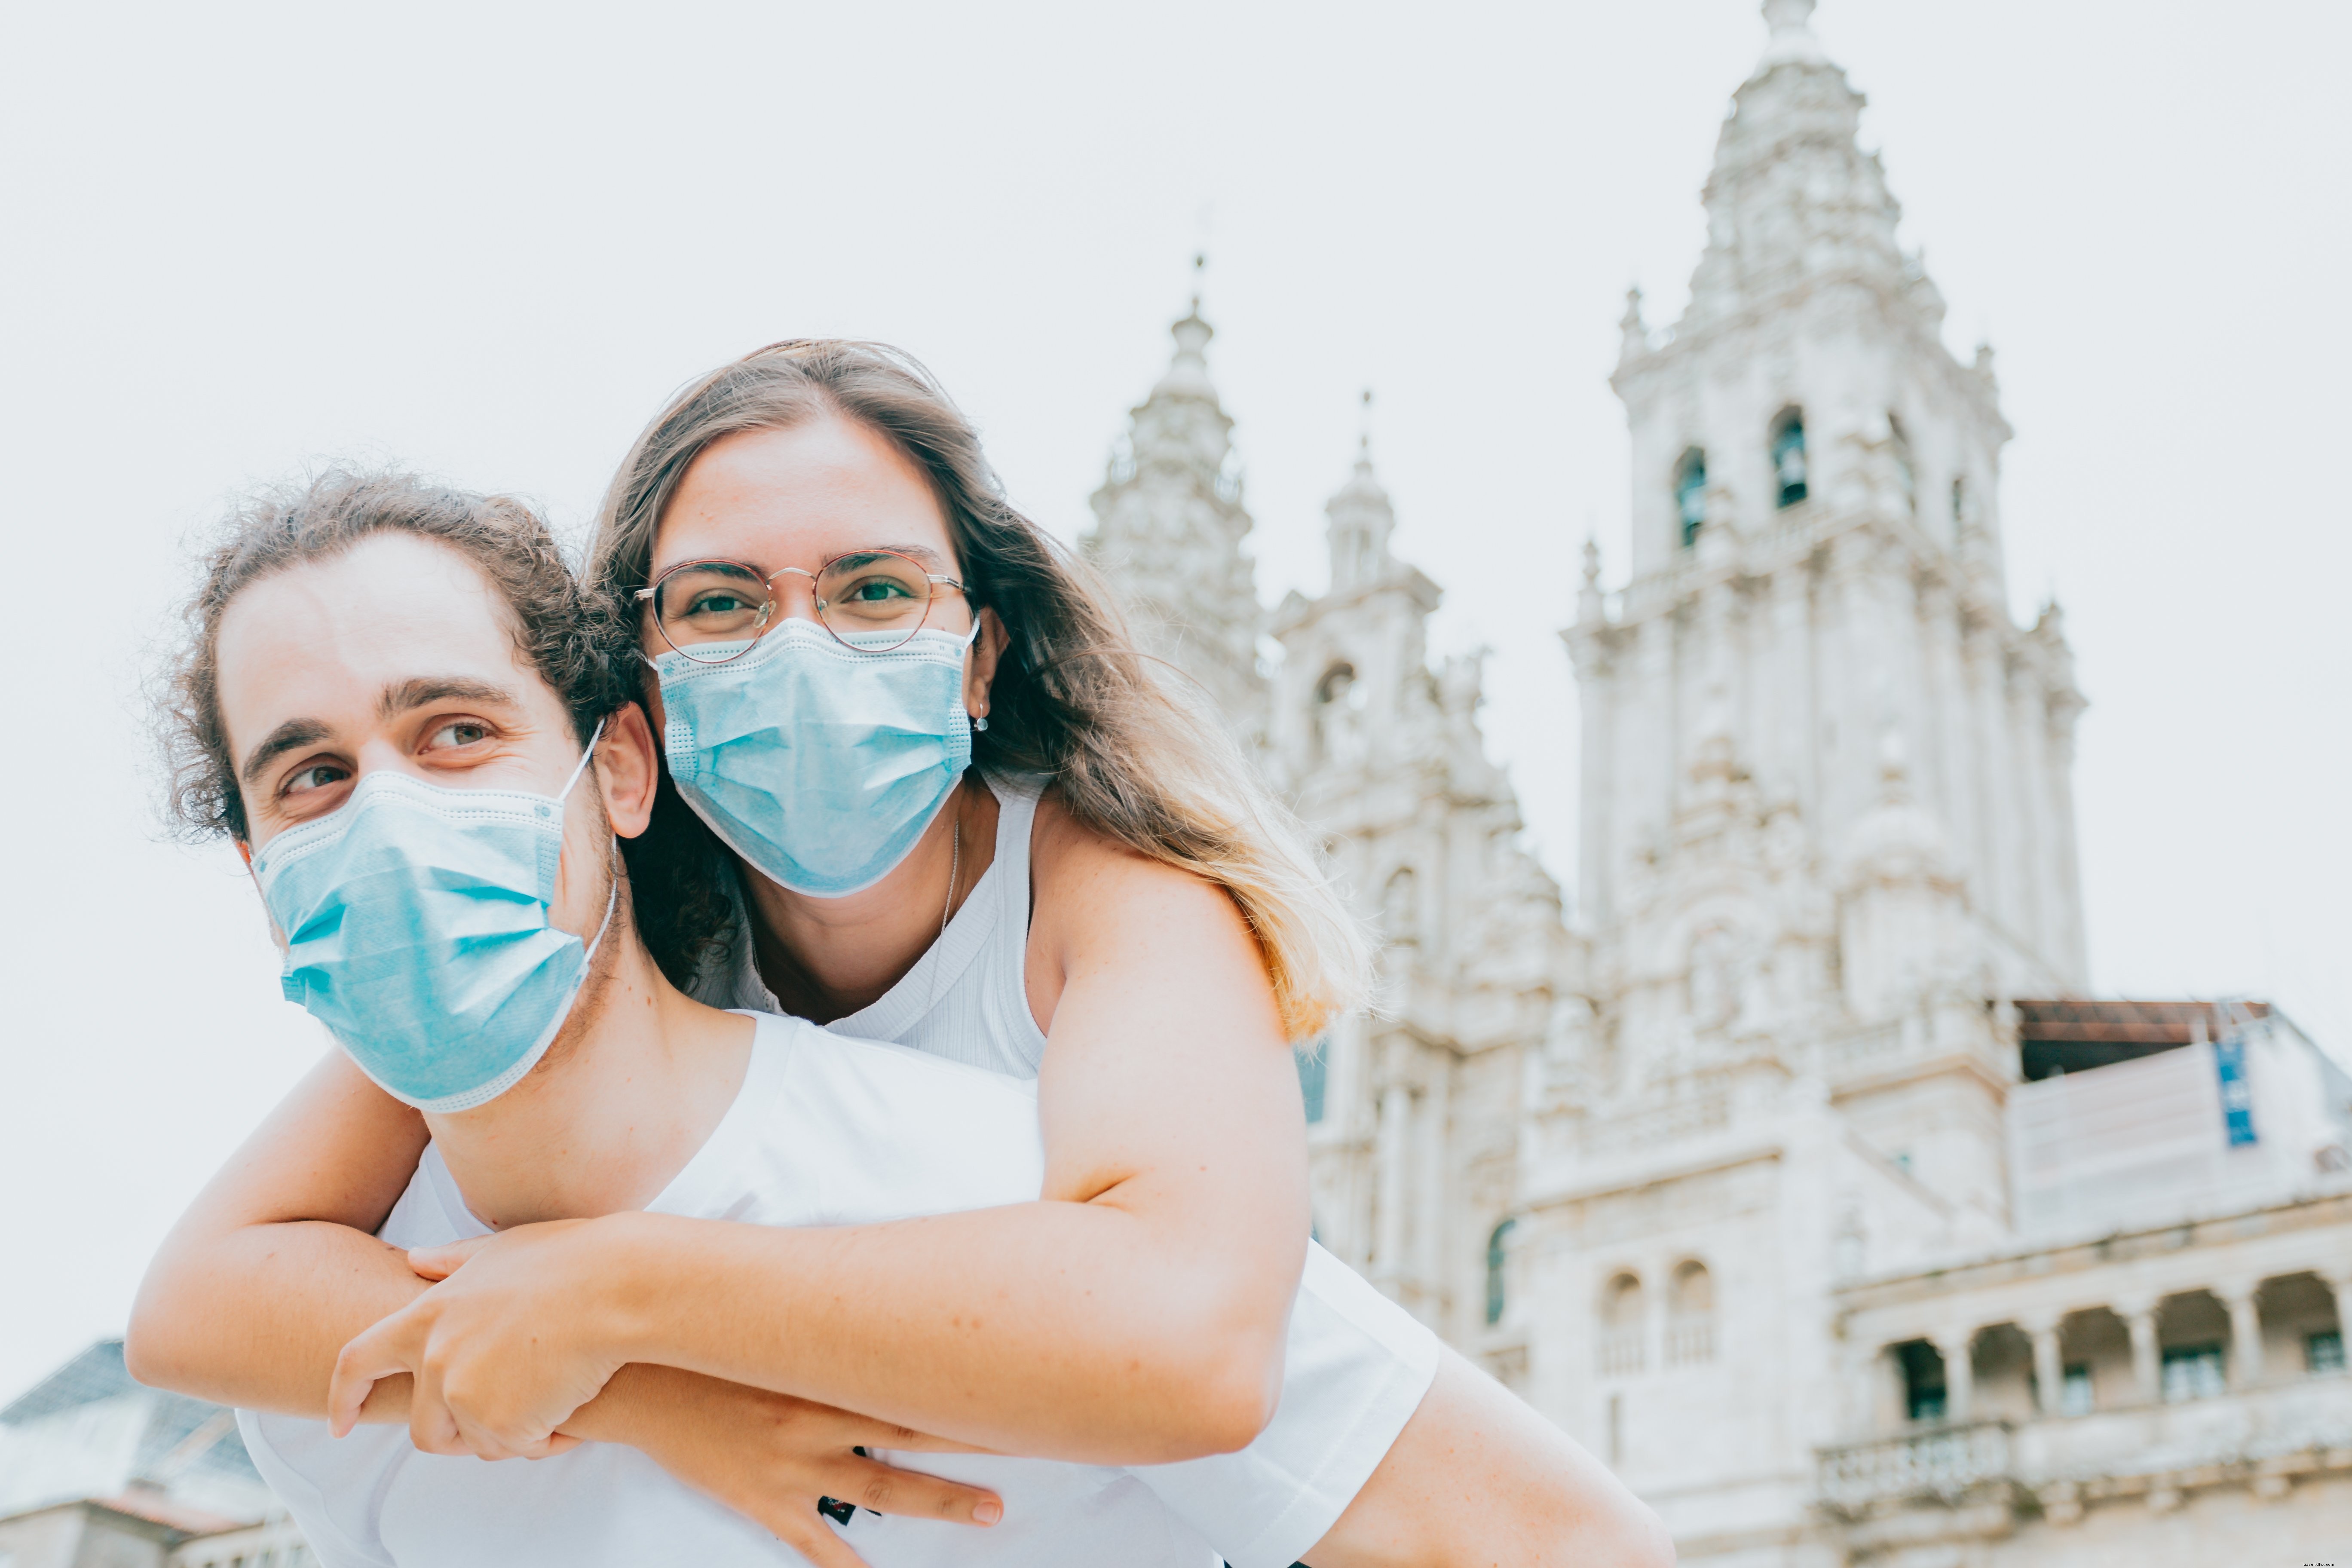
(819, 763)
(416, 924)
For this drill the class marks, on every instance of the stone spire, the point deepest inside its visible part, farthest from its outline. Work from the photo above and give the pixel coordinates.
(1634, 336)
(1791, 195)
(1361, 520)
(1170, 527)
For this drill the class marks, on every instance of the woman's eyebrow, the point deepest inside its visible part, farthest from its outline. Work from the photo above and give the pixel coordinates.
(285, 737)
(409, 695)
(922, 552)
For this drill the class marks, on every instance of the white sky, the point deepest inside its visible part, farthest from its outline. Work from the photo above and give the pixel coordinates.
(486, 241)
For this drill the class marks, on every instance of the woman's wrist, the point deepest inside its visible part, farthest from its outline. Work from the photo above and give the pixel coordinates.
(625, 1282)
(630, 1408)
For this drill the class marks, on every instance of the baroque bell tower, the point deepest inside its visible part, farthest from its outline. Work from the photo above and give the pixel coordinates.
(1816, 578)
(1826, 829)
(1169, 529)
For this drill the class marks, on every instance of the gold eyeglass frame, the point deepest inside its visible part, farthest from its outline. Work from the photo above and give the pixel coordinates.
(647, 596)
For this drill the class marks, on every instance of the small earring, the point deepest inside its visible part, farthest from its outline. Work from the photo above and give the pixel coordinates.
(980, 722)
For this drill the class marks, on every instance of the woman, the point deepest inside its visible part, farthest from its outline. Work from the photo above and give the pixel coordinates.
(1159, 927)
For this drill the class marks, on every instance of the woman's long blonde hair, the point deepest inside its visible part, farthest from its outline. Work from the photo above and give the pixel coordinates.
(1072, 698)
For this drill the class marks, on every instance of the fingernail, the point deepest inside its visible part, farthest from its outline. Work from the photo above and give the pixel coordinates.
(988, 1512)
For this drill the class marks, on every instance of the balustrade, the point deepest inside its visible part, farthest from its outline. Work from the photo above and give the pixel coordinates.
(1943, 1464)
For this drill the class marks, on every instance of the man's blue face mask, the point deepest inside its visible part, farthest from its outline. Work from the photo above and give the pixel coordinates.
(819, 763)
(415, 925)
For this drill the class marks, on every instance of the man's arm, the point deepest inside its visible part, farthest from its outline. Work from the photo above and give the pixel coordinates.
(1477, 1478)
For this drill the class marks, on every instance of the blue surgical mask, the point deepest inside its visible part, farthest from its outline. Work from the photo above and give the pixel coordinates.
(415, 926)
(819, 763)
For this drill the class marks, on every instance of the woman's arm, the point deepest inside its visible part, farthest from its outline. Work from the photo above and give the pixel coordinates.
(254, 1294)
(1136, 1315)
(274, 1266)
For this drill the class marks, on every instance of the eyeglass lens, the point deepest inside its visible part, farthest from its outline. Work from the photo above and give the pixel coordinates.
(873, 600)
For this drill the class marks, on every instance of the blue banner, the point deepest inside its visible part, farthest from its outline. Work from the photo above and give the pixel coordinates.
(2237, 1094)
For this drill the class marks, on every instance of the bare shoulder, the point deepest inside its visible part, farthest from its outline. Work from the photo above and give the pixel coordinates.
(1089, 885)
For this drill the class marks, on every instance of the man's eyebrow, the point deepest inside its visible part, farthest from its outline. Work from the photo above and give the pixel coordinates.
(292, 733)
(409, 695)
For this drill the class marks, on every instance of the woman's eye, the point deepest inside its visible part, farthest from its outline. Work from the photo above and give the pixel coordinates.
(318, 775)
(462, 732)
(875, 588)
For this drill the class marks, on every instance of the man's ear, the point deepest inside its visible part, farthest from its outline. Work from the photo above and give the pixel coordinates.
(628, 767)
(979, 665)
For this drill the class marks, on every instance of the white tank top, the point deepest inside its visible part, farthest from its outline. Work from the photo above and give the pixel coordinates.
(967, 999)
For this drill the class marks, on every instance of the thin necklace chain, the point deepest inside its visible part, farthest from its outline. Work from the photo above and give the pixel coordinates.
(955, 870)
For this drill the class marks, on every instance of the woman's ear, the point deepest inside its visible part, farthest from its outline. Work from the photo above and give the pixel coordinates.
(979, 665)
(628, 767)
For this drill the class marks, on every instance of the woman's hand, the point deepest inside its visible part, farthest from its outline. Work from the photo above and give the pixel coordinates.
(504, 1349)
(772, 1458)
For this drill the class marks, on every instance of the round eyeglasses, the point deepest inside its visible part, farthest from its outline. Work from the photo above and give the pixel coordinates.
(870, 600)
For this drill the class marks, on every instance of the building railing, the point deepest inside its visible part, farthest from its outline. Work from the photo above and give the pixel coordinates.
(1941, 1463)
(1689, 1339)
(2066, 1460)
(1619, 1351)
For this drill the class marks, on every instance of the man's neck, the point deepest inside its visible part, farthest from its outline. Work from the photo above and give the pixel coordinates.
(826, 958)
(623, 1098)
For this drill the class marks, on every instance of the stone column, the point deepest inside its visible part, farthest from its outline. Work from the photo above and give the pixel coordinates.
(2245, 1332)
(1959, 1374)
(2048, 1365)
(2139, 1317)
(2339, 1282)
(1394, 1144)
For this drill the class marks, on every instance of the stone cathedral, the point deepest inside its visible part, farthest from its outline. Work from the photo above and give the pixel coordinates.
(1789, 1165)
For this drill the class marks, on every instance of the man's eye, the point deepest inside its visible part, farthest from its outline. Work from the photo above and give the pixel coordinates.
(318, 775)
(462, 732)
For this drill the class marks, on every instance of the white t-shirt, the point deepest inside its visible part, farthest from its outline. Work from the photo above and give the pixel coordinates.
(828, 1129)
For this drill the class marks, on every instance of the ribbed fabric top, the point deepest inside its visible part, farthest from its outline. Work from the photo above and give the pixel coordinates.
(966, 998)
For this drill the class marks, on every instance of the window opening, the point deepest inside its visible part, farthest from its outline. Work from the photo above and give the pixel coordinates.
(2193, 1372)
(1497, 1254)
(1314, 1070)
(2074, 1398)
(1690, 494)
(1922, 1380)
(1788, 457)
(2324, 1351)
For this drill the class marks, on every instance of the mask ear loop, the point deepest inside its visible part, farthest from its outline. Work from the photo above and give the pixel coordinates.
(611, 902)
(587, 755)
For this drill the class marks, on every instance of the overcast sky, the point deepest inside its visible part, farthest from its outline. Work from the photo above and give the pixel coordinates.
(487, 240)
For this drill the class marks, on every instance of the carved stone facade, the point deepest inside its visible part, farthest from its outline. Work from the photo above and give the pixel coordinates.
(1791, 1173)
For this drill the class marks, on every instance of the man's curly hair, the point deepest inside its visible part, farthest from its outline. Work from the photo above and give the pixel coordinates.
(560, 630)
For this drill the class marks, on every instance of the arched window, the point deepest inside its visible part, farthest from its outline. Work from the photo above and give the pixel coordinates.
(1498, 1254)
(1905, 476)
(1621, 1314)
(1694, 1290)
(1960, 503)
(1399, 909)
(1690, 1315)
(1337, 697)
(1690, 494)
(1789, 473)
